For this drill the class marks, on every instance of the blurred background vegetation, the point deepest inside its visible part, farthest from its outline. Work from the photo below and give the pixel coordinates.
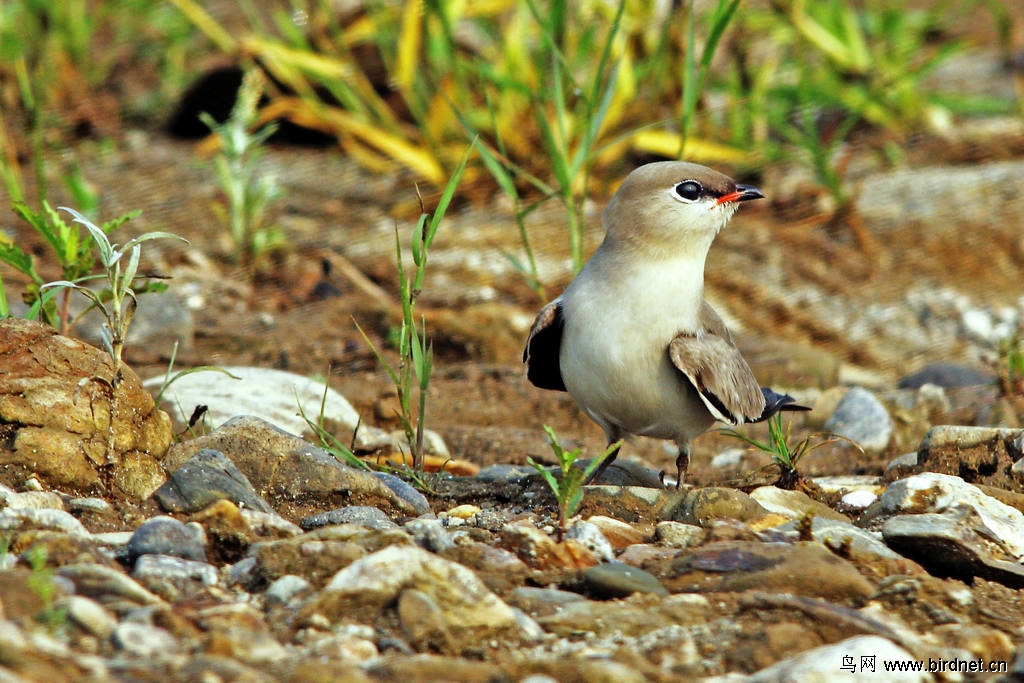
(412, 82)
(561, 95)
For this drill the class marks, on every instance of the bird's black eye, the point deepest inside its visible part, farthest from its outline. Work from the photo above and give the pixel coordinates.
(689, 190)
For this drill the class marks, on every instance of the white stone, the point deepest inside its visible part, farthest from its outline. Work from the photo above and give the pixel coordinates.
(934, 492)
(274, 396)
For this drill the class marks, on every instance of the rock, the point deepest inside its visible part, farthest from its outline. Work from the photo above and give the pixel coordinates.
(618, 533)
(945, 375)
(849, 541)
(144, 641)
(705, 505)
(279, 398)
(87, 615)
(542, 601)
(241, 632)
(956, 543)
(590, 536)
(405, 492)
(423, 621)
(57, 402)
(430, 534)
(679, 535)
(363, 515)
(617, 580)
(793, 504)
(901, 466)
(540, 551)
(799, 568)
(167, 536)
(468, 610)
(937, 493)
(280, 464)
(106, 585)
(862, 418)
(18, 519)
(170, 576)
(848, 660)
(286, 590)
(206, 477)
(905, 199)
(38, 500)
(978, 455)
(630, 503)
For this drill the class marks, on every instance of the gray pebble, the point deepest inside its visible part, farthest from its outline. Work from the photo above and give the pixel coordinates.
(175, 570)
(861, 417)
(363, 515)
(167, 536)
(618, 580)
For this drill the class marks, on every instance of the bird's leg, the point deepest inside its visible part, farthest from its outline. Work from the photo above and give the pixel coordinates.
(682, 463)
(603, 466)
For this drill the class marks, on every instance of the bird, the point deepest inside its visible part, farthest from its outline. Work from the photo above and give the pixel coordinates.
(631, 339)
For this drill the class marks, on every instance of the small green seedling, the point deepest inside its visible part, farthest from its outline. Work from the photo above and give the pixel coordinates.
(328, 441)
(1010, 365)
(249, 194)
(416, 354)
(118, 300)
(568, 488)
(785, 456)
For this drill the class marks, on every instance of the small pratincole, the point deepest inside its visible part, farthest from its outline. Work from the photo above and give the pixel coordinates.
(632, 339)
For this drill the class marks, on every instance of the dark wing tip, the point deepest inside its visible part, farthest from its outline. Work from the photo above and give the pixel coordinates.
(774, 402)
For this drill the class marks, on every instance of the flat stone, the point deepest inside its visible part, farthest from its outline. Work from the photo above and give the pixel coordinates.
(277, 463)
(167, 536)
(618, 580)
(702, 506)
(956, 543)
(279, 398)
(852, 659)
(800, 568)
(364, 515)
(932, 492)
(793, 504)
(679, 535)
(20, 519)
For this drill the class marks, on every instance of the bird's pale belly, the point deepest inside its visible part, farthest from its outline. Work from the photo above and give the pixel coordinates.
(643, 394)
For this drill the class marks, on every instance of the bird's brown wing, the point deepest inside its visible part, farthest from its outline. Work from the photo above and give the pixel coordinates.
(711, 362)
(543, 346)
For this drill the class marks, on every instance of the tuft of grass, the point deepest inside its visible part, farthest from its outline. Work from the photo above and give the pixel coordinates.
(415, 355)
(785, 455)
(568, 488)
(249, 194)
(41, 582)
(1010, 365)
(329, 441)
(118, 300)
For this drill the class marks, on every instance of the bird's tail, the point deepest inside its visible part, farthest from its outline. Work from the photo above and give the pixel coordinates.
(774, 402)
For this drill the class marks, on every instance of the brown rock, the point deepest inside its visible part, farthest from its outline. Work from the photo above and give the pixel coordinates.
(807, 569)
(618, 533)
(978, 455)
(704, 505)
(64, 421)
(540, 551)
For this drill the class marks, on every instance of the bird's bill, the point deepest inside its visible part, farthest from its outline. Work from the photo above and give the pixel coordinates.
(742, 194)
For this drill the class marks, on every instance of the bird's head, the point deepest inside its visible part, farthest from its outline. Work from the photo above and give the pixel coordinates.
(673, 204)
